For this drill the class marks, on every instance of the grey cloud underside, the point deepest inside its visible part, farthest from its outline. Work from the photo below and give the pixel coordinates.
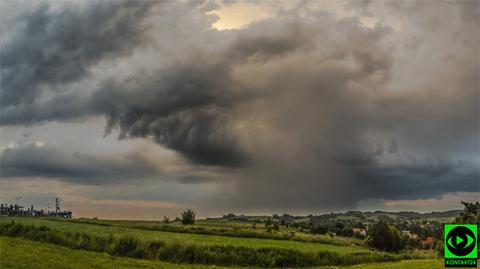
(416, 181)
(301, 109)
(187, 109)
(30, 160)
(49, 162)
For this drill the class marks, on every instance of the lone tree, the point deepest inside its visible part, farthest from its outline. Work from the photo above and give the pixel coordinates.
(188, 217)
(384, 237)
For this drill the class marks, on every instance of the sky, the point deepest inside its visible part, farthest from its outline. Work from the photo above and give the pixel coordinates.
(141, 109)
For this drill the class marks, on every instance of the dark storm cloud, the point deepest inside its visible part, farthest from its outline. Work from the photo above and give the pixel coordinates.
(34, 160)
(416, 181)
(44, 161)
(304, 111)
(61, 107)
(57, 46)
(186, 109)
(190, 107)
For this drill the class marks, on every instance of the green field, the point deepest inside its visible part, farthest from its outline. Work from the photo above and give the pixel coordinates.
(225, 227)
(148, 235)
(71, 242)
(23, 254)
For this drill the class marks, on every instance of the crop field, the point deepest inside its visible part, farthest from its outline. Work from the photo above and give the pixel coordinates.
(44, 243)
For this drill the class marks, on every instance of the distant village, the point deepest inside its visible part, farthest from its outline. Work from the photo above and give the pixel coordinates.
(15, 210)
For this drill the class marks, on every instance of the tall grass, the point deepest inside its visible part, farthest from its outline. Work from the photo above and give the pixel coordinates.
(190, 253)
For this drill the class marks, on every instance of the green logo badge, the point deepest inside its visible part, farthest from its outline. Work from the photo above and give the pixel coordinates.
(460, 245)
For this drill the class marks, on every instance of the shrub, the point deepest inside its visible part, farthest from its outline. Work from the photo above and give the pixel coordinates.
(319, 229)
(188, 217)
(125, 247)
(275, 227)
(385, 237)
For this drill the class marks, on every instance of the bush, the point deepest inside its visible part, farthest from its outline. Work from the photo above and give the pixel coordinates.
(125, 247)
(348, 232)
(188, 217)
(385, 237)
(319, 229)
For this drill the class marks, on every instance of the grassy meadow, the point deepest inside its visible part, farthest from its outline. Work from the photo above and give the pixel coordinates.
(25, 254)
(228, 228)
(190, 238)
(43, 243)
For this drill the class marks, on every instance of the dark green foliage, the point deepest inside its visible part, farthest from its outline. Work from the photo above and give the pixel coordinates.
(275, 227)
(470, 213)
(268, 225)
(188, 253)
(319, 229)
(412, 242)
(385, 237)
(126, 247)
(188, 217)
(346, 231)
